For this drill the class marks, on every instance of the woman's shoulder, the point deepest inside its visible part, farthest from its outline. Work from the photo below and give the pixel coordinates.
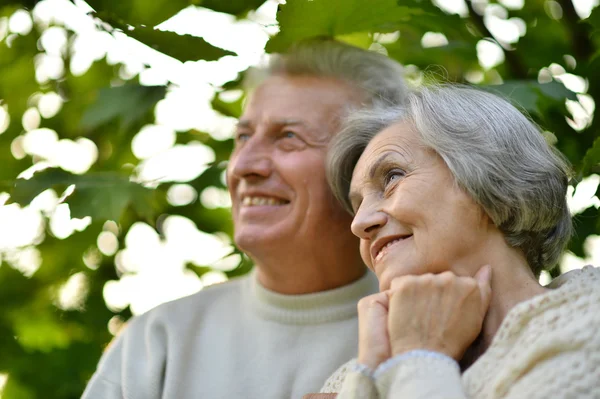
(574, 299)
(568, 307)
(586, 278)
(551, 338)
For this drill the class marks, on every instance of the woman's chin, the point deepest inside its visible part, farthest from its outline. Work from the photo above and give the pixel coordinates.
(388, 274)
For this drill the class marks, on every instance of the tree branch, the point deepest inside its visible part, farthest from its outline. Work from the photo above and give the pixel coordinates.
(514, 64)
(583, 48)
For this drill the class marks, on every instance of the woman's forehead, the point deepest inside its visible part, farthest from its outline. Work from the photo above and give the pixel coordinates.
(399, 138)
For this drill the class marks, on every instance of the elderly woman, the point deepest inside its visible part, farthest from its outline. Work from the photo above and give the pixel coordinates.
(459, 204)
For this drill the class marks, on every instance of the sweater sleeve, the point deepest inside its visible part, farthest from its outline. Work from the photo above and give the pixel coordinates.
(105, 383)
(571, 374)
(358, 386)
(133, 366)
(420, 377)
(100, 388)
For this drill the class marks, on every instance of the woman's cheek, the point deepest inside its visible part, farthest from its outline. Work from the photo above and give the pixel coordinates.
(365, 253)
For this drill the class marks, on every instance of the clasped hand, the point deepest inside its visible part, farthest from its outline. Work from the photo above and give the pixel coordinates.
(437, 312)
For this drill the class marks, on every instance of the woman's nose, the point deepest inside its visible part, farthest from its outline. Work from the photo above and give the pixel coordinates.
(368, 221)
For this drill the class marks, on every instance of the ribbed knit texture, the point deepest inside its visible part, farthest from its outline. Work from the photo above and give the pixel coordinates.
(546, 347)
(322, 307)
(233, 340)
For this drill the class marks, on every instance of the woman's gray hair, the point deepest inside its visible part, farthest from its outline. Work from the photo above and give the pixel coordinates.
(496, 155)
(378, 77)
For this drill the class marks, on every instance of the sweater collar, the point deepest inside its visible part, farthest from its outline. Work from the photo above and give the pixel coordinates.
(321, 307)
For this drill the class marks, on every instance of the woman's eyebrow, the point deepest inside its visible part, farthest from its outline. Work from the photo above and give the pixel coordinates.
(377, 164)
(354, 195)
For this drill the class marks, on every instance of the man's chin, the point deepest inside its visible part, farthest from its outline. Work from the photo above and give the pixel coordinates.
(255, 240)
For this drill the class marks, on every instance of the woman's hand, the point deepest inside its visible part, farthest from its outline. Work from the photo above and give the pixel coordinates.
(373, 339)
(437, 312)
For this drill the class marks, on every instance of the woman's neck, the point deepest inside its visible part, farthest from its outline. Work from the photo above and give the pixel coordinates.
(513, 282)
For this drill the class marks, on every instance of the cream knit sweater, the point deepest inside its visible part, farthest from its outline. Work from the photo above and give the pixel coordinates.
(546, 347)
(233, 340)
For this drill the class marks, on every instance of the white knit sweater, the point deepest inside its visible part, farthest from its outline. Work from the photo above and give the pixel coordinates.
(546, 347)
(234, 340)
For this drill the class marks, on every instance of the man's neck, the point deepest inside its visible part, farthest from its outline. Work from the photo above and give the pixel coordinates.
(305, 283)
(294, 271)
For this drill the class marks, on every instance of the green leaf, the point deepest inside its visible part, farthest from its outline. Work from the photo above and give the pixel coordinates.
(25, 190)
(235, 7)
(139, 12)
(357, 39)
(106, 196)
(28, 4)
(586, 223)
(17, 390)
(103, 196)
(40, 330)
(528, 94)
(233, 108)
(330, 18)
(182, 47)
(591, 160)
(127, 103)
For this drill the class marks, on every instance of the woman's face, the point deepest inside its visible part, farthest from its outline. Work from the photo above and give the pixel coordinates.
(411, 217)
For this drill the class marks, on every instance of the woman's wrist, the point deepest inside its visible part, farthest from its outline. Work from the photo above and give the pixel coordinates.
(363, 369)
(415, 353)
(371, 362)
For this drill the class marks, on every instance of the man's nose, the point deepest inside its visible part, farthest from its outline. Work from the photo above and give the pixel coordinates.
(253, 159)
(368, 221)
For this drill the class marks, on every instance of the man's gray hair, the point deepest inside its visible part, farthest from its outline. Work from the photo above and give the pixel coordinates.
(378, 77)
(496, 155)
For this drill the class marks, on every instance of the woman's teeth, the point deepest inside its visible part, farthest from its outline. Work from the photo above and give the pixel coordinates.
(258, 201)
(383, 250)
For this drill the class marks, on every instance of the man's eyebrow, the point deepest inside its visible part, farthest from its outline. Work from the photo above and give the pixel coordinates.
(290, 122)
(243, 123)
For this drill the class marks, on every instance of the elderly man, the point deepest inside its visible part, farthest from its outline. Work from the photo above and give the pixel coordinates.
(282, 330)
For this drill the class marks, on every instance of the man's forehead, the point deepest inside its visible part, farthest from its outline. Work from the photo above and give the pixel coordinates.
(248, 122)
(293, 97)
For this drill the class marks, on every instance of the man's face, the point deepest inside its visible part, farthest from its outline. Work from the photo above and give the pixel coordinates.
(276, 174)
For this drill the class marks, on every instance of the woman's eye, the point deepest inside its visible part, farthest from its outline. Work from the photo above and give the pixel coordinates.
(393, 175)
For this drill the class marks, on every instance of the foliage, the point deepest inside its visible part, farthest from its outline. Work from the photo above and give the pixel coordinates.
(50, 351)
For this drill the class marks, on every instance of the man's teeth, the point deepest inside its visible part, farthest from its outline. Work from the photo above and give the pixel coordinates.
(258, 201)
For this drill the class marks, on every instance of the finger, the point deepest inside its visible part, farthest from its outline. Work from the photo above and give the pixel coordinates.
(373, 307)
(382, 301)
(484, 279)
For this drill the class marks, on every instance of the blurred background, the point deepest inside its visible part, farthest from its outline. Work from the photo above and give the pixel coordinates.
(116, 121)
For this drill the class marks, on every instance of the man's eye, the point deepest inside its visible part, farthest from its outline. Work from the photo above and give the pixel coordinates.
(242, 137)
(289, 134)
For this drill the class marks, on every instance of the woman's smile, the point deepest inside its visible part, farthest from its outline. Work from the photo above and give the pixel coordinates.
(381, 252)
